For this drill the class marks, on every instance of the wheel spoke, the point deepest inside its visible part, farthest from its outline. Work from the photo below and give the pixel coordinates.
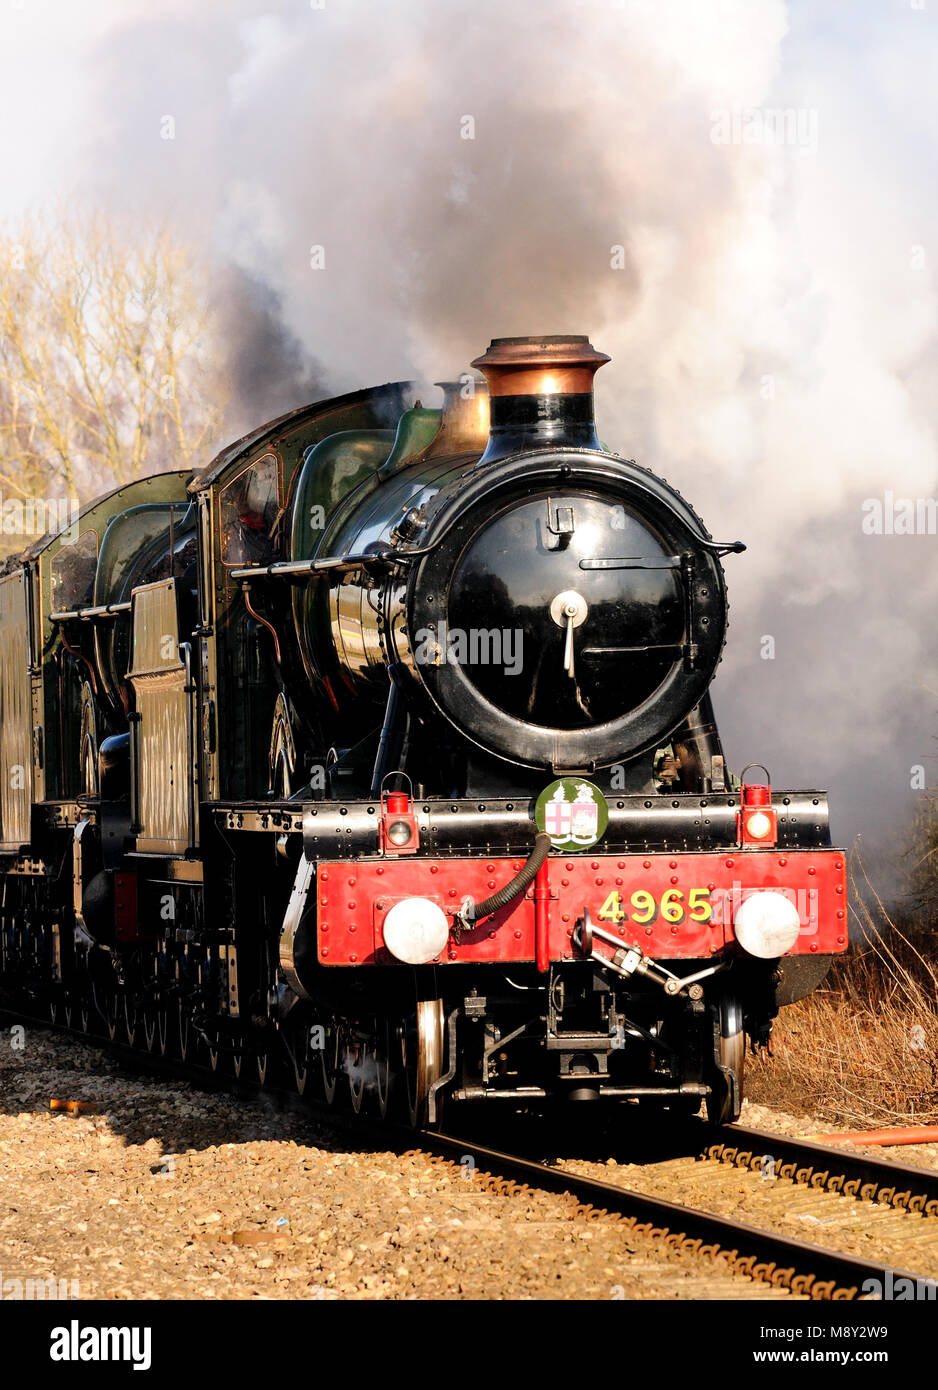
(110, 1009)
(299, 1057)
(355, 1063)
(382, 1060)
(182, 1030)
(329, 1063)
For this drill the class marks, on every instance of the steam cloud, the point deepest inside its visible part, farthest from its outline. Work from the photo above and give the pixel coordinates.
(771, 317)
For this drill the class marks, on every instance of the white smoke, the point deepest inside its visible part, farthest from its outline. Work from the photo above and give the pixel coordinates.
(770, 308)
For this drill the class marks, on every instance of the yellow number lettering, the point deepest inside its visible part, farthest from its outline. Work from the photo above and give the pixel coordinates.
(699, 905)
(672, 905)
(612, 909)
(644, 907)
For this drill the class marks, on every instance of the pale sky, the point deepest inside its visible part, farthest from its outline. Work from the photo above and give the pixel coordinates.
(774, 330)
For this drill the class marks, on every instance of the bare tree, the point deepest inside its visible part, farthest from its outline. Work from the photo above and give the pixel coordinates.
(105, 368)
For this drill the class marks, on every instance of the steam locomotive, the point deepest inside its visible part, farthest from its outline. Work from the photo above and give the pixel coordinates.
(379, 757)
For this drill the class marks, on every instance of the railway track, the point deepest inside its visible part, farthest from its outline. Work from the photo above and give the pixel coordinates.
(803, 1269)
(800, 1268)
(831, 1169)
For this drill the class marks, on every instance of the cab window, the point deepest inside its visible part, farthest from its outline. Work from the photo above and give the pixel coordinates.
(250, 514)
(73, 570)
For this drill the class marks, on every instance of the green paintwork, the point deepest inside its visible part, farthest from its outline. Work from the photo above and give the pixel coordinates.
(334, 468)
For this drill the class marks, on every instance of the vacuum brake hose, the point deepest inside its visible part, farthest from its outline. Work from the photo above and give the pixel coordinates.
(517, 885)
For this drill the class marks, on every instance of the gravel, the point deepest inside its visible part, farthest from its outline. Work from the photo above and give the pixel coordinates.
(170, 1192)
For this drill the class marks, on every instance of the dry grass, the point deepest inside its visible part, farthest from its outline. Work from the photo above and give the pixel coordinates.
(863, 1049)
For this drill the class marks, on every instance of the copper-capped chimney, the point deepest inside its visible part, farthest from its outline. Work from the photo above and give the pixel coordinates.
(541, 392)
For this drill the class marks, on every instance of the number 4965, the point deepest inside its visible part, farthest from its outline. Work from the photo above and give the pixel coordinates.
(646, 908)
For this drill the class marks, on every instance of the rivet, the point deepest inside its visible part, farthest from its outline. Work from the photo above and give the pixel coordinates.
(674, 878)
(565, 883)
(434, 868)
(782, 863)
(351, 925)
(491, 883)
(452, 892)
(812, 870)
(351, 883)
(323, 902)
(674, 931)
(619, 882)
(324, 951)
(569, 868)
(813, 946)
(839, 888)
(517, 936)
(599, 883)
(730, 863)
(648, 931)
(490, 868)
(673, 864)
(380, 870)
(491, 936)
(840, 914)
(353, 959)
(324, 875)
(595, 864)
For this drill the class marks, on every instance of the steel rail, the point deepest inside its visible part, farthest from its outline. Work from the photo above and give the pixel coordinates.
(814, 1271)
(828, 1168)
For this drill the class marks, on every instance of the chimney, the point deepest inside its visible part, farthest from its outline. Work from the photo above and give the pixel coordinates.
(541, 392)
(464, 425)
